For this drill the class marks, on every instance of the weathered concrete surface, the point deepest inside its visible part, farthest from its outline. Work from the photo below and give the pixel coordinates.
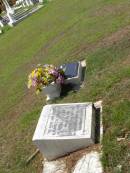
(55, 167)
(83, 161)
(89, 163)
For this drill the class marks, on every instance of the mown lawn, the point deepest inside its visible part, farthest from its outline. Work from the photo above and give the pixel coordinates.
(63, 31)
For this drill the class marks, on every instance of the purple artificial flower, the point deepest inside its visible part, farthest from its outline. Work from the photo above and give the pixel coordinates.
(54, 72)
(34, 82)
(60, 79)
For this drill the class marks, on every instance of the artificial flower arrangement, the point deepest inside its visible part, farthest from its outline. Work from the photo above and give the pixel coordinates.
(42, 76)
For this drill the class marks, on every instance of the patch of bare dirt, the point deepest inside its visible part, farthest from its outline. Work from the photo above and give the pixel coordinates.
(111, 9)
(109, 40)
(115, 37)
(126, 61)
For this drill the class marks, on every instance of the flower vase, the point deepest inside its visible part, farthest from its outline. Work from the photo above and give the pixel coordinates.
(52, 91)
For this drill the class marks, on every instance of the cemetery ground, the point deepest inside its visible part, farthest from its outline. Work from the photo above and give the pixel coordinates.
(65, 31)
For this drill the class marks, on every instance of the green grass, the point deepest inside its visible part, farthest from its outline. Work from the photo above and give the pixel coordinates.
(63, 31)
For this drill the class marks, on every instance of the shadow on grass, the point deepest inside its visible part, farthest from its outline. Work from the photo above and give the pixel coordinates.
(97, 126)
(66, 88)
(83, 74)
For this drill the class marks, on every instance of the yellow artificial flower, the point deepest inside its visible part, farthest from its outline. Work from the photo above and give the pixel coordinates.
(29, 84)
(40, 70)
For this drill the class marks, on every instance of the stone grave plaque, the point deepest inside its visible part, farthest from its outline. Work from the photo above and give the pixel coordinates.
(63, 128)
(73, 73)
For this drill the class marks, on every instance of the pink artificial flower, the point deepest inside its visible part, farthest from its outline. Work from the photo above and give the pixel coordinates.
(54, 72)
(60, 79)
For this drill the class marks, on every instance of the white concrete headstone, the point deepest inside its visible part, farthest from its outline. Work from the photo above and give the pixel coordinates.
(64, 128)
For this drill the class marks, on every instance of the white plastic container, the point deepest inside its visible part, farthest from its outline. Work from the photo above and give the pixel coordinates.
(52, 91)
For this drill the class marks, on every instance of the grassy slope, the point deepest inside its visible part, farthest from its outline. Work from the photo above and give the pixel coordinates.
(65, 31)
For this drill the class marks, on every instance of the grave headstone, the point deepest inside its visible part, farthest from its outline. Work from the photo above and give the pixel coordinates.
(73, 73)
(64, 128)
